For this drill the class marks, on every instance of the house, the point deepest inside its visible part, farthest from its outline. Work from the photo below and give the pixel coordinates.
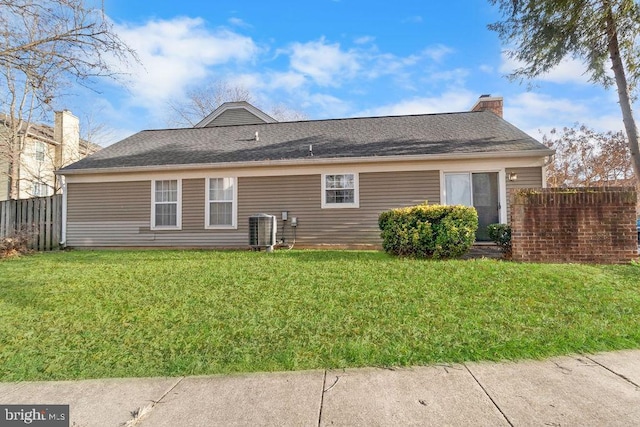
(197, 187)
(45, 150)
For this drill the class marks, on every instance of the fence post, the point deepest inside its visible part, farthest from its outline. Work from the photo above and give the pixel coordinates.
(3, 208)
(57, 220)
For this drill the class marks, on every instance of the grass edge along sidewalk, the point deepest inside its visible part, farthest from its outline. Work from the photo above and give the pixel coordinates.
(96, 314)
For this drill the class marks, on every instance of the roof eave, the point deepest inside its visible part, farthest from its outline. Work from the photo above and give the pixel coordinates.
(309, 161)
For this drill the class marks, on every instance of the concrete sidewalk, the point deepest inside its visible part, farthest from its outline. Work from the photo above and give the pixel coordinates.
(594, 390)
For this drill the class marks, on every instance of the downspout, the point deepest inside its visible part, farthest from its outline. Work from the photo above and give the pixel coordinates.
(63, 237)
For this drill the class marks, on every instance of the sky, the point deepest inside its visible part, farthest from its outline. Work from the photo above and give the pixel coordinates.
(330, 59)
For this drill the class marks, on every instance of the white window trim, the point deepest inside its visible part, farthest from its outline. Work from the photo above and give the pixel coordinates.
(40, 148)
(207, 205)
(356, 192)
(37, 185)
(178, 225)
(502, 187)
(43, 189)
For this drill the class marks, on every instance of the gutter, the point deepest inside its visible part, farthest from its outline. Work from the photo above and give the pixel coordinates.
(63, 234)
(308, 161)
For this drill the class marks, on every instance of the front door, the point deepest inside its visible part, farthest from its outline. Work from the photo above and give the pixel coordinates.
(477, 189)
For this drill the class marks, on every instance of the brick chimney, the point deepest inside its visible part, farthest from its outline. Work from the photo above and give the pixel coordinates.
(66, 132)
(489, 103)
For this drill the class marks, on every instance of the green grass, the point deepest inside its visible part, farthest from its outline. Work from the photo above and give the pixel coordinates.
(70, 315)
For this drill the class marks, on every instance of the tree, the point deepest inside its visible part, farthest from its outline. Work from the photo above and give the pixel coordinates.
(46, 46)
(202, 101)
(601, 32)
(588, 158)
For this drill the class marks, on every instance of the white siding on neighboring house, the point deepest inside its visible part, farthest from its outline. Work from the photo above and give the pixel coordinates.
(4, 179)
(46, 150)
(36, 169)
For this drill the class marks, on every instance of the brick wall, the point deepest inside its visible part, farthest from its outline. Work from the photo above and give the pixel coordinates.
(583, 225)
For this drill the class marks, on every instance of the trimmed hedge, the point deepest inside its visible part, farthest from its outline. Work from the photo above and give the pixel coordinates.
(428, 231)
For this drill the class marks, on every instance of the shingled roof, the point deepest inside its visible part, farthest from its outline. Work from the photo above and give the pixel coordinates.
(463, 134)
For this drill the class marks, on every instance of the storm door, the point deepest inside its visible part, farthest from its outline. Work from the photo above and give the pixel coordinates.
(477, 189)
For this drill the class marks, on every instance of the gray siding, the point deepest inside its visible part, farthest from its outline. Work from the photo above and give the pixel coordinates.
(193, 202)
(108, 214)
(301, 197)
(235, 116)
(118, 214)
(109, 201)
(527, 178)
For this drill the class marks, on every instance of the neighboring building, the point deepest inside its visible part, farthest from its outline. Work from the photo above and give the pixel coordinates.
(197, 187)
(46, 150)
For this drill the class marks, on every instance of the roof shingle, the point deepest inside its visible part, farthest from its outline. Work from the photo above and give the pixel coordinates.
(427, 134)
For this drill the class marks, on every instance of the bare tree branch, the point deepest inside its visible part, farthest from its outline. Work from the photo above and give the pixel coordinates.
(47, 45)
(202, 101)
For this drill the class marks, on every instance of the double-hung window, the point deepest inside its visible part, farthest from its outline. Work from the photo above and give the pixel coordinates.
(220, 211)
(40, 151)
(39, 189)
(340, 190)
(166, 204)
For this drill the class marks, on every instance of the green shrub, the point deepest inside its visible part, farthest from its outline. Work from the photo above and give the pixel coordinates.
(501, 235)
(428, 231)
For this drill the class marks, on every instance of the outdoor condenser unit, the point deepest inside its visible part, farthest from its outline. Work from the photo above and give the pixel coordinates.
(262, 231)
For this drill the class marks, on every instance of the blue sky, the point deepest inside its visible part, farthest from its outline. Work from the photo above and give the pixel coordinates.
(331, 59)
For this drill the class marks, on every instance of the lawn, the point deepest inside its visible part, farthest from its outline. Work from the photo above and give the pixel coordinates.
(85, 314)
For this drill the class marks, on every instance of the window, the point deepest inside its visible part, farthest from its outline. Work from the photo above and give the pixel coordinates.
(166, 200)
(39, 189)
(41, 149)
(458, 188)
(340, 191)
(220, 211)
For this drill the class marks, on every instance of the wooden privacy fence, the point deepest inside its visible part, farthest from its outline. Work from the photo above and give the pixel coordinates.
(39, 218)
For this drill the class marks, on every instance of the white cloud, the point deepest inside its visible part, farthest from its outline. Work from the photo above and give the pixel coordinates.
(239, 23)
(437, 53)
(324, 105)
(450, 101)
(287, 80)
(327, 64)
(175, 53)
(456, 76)
(608, 122)
(364, 40)
(403, 67)
(569, 70)
(250, 81)
(530, 109)
(535, 113)
(486, 69)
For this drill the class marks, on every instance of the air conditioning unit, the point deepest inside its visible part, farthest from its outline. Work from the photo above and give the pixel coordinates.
(262, 231)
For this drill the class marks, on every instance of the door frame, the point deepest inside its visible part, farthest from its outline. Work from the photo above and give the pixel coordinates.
(502, 186)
